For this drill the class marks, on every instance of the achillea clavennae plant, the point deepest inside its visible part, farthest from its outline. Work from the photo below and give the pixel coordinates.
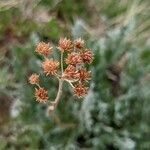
(75, 73)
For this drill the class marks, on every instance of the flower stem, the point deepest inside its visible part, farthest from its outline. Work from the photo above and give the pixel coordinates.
(62, 69)
(59, 91)
(54, 104)
(57, 99)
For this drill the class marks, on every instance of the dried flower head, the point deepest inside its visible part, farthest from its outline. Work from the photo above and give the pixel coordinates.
(84, 75)
(65, 45)
(50, 66)
(44, 49)
(74, 59)
(79, 43)
(75, 72)
(71, 73)
(80, 90)
(87, 56)
(41, 95)
(34, 79)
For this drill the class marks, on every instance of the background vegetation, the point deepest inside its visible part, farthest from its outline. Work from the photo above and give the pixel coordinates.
(115, 113)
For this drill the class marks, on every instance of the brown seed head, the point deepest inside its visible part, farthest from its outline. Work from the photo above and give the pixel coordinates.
(41, 95)
(65, 45)
(44, 49)
(73, 59)
(80, 90)
(50, 66)
(87, 56)
(71, 73)
(84, 75)
(79, 43)
(34, 79)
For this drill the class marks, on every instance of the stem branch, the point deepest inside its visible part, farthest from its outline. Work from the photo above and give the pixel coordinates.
(54, 104)
(62, 69)
(57, 99)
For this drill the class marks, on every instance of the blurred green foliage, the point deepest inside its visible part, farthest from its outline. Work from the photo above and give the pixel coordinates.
(115, 113)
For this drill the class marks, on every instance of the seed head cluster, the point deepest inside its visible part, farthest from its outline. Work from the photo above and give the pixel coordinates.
(34, 79)
(44, 49)
(87, 56)
(65, 45)
(41, 95)
(71, 73)
(80, 90)
(50, 66)
(79, 43)
(75, 57)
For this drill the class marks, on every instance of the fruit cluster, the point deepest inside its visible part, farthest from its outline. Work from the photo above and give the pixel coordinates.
(75, 73)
